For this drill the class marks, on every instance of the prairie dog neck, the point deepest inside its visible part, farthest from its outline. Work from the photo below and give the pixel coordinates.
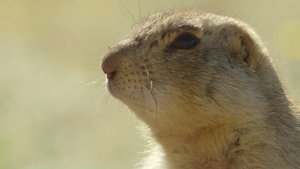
(217, 147)
(220, 145)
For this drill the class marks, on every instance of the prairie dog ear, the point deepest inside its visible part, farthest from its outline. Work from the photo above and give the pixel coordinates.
(243, 44)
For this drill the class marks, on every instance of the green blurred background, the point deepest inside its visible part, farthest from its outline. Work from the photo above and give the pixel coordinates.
(55, 112)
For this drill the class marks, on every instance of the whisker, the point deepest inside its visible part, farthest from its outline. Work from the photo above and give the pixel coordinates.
(144, 100)
(160, 82)
(139, 9)
(104, 82)
(174, 5)
(93, 82)
(103, 101)
(147, 72)
(128, 11)
(154, 98)
(151, 84)
(89, 51)
(151, 89)
(157, 4)
(154, 64)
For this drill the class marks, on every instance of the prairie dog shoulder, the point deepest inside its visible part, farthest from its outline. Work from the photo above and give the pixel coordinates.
(207, 88)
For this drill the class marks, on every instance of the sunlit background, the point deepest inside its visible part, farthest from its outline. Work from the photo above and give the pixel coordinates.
(55, 112)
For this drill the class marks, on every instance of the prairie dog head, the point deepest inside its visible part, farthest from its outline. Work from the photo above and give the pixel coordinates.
(184, 70)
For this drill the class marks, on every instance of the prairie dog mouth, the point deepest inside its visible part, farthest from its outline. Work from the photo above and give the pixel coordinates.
(129, 82)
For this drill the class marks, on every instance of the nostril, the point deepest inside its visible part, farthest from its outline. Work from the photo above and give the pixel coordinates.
(111, 75)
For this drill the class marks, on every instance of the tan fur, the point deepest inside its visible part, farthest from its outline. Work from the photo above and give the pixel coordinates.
(217, 106)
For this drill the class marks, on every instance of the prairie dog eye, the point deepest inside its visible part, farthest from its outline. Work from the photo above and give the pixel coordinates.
(185, 41)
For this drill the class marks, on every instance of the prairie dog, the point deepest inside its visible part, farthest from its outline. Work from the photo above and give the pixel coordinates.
(206, 87)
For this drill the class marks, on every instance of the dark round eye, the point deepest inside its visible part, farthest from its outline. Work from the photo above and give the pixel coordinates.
(185, 41)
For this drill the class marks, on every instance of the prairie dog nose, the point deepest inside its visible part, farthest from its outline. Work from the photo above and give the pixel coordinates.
(111, 62)
(109, 66)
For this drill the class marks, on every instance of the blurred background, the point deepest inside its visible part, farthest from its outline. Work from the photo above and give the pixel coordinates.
(55, 112)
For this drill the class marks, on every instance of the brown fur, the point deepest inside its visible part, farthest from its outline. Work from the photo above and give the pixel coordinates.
(217, 106)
